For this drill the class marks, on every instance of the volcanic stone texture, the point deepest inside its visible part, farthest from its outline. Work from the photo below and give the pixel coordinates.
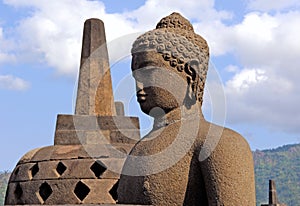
(83, 167)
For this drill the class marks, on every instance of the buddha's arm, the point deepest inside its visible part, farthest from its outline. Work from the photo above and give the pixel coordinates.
(229, 172)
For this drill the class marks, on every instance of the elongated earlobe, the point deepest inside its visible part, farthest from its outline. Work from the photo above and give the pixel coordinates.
(190, 97)
(191, 68)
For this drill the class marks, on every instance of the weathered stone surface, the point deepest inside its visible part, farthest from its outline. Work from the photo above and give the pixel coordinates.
(167, 167)
(118, 123)
(108, 150)
(44, 153)
(77, 137)
(28, 156)
(94, 95)
(62, 191)
(22, 172)
(22, 193)
(102, 205)
(84, 122)
(69, 137)
(60, 152)
(64, 152)
(90, 147)
(96, 205)
(124, 136)
(101, 193)
(120, 108)
(76, 122)
(97, 137)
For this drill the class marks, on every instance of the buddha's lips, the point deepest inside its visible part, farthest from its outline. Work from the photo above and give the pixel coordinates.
(141, 97)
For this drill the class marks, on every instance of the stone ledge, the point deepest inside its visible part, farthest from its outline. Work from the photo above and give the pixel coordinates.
(89, 151)
(89, 122)
(78, 137)
(86, 205)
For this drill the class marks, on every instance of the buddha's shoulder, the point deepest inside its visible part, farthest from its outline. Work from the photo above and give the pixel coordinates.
(223, 136)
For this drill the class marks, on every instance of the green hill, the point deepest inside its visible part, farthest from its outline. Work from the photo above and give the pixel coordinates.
(281, 164)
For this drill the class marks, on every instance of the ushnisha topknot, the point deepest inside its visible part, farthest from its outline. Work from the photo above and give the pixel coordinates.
(176, 21)
(175, 39)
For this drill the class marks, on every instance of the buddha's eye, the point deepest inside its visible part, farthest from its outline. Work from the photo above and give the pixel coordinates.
(143, 74)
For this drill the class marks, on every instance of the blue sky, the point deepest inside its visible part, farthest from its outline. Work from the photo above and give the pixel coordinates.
(254, 47)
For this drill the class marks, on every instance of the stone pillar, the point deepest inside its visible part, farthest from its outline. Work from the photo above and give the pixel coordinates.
(272, 193)
(94, 95)
(120, 108)
(273, 200)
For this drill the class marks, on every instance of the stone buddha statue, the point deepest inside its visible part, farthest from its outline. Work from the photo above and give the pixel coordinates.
(166, 167)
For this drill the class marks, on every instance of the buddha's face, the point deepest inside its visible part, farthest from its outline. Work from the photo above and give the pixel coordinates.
(160, 88)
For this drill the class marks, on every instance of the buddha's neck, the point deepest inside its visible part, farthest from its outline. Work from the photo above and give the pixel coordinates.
(178, 114)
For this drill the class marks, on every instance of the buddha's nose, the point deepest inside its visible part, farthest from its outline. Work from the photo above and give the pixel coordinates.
(141, 92)
(139, 86)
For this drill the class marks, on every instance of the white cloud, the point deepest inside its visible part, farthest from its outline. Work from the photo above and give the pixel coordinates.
(53, 32)
(245, 79)
(5, 47)
(13, 83)
(149, 14)
(268, 5)
(264, 99)
(232, 68)
(264, 90)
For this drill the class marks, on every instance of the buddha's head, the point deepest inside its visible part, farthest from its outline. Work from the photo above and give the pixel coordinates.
(169, 65)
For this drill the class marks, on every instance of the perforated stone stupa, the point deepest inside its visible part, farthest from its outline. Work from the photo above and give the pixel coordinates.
(89, 147)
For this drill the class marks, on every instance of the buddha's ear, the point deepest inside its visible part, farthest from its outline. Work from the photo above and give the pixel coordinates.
(191, 69)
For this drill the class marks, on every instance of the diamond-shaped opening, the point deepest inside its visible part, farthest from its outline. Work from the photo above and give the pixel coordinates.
(45, 191)
(34, 170)
(81, 190)
(113, 191)
(18, 191)
(98, 168)
(61, 168)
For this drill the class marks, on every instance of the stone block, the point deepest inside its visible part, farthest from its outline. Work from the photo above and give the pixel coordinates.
(89, 122)
(69, 137)
(97, 137)
(101, 191)
(114, 165)
(77, 137)
(78, 168)
(118, 122)
(106, 151)
(76, 122)
(22, 172)
(28, 156)
(68, 152)
(120, 108)
(122, 147)
(46, 170)
(59, 152)
(62, 192)
(20, 193)
(44, 153)
(124, 136)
